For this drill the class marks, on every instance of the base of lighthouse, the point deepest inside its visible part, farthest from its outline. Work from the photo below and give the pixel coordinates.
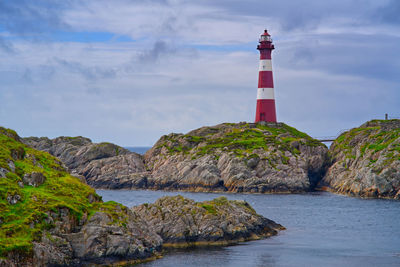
(265, 110)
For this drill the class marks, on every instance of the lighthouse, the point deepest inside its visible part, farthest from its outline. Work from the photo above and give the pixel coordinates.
(265, 93)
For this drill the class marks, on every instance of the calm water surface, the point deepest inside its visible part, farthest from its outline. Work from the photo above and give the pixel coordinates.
(323, 229)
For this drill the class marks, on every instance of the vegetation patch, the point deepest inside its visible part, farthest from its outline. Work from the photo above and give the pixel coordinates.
(241, 139)
(371, 138)
(24, 209)
(210, 208)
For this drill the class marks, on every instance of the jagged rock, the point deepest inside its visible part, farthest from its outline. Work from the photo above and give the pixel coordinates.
(366, 161)
(240, 157)
(184, 222)
(100, 239)
(101, 164)
(65, 223)
(53, 250)
(104, 172)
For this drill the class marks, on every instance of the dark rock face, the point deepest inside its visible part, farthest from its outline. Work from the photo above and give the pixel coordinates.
(101, 241)
(184, 222)
(104, 173)
(366, 161)
(238, 158)
(101, 164)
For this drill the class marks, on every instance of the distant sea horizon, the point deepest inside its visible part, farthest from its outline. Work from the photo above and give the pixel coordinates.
(138, 149)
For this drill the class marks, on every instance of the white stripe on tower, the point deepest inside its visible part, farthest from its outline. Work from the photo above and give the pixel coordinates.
(265, 65)
(265, 93)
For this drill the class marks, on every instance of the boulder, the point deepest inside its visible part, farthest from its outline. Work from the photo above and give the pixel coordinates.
(13, 199)
(34, 179)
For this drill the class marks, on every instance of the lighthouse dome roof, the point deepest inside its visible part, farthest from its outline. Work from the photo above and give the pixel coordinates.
(265, 33)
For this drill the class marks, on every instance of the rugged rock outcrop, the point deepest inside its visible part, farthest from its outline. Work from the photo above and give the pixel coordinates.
(50, 218)
(366, 161)
(182, 222)
(100, 164)
(244, 157)
(112, 236)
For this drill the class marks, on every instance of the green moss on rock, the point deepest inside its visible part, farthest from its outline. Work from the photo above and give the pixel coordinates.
(24, 209)
(366, 160)
(242, 139)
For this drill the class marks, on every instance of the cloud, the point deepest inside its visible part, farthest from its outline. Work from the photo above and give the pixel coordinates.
(191, 64)
(160, 48)
(90, 73)
(32, 17)
(390, 12)
(6, 46)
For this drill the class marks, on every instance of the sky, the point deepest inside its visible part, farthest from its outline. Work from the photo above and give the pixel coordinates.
(130, 71)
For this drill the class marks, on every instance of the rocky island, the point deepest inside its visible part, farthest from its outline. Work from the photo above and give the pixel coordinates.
(241, 157)
(366, 161)
(50, 218)
(182, 222)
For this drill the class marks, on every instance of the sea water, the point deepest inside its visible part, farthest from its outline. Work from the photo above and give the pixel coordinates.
(323, 229)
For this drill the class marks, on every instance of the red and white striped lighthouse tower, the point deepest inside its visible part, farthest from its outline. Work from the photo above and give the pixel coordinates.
(265, 94)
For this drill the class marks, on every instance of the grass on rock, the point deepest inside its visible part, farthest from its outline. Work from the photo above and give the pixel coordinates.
(24, 222)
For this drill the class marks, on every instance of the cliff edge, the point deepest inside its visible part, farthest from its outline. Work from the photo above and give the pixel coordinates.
(99, 163)
(366, 161)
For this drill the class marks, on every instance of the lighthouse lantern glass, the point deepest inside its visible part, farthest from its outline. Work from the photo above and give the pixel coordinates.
(266, 38)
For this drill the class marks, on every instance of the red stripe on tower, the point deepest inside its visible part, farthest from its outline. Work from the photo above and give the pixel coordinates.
(265, 94)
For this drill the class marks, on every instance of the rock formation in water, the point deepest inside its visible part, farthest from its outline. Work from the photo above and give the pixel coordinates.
(182, 222)
(366, 161)
(244, 157)
(50, 218)
(98, 163)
